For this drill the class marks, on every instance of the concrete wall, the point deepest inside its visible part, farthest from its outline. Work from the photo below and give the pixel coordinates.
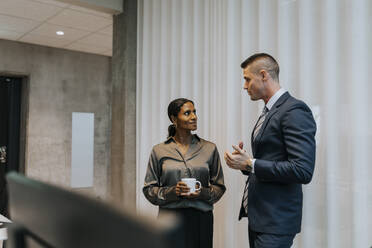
(61, 82)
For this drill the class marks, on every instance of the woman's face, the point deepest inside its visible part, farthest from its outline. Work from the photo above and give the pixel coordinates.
(186, 118)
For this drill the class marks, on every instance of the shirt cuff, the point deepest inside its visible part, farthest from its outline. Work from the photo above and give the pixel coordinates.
(253, 162)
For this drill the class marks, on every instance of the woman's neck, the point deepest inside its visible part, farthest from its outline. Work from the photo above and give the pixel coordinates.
(183, 137)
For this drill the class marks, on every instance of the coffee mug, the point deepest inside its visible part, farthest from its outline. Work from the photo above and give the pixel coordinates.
(191, 183)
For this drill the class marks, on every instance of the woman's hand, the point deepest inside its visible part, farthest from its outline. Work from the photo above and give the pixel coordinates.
(183, 191)
(195, 194)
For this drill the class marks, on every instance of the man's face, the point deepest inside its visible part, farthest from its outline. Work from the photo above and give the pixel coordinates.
(254, 84)
(186, 118)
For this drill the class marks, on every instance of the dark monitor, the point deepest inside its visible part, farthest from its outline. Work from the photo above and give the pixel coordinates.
(54, 217)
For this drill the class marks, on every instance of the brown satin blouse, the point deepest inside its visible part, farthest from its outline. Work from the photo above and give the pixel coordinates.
(167, 166)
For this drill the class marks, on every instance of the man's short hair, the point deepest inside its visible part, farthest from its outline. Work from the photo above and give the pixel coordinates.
(265, 62)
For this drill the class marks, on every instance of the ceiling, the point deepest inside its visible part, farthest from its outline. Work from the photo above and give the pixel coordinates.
(37, 21)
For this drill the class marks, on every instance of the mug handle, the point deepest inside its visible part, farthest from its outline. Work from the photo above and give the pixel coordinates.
(200, 186)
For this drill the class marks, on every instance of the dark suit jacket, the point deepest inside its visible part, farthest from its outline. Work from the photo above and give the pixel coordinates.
(284, 150)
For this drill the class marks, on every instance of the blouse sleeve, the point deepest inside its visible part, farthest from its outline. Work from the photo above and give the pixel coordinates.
(152, 190)
(216, 187)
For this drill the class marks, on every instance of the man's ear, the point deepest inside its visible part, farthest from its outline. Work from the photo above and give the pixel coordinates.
(264, 75)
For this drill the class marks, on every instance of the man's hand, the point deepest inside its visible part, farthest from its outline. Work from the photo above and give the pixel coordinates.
(239, 159)
(241, 144)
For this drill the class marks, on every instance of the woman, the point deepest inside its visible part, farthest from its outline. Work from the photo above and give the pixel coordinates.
(185, 155)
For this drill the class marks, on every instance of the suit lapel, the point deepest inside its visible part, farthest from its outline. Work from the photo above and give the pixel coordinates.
(272, 111)
(264, 125)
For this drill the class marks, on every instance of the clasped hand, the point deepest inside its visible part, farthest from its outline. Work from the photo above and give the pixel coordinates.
(184, 191)
(238, 159)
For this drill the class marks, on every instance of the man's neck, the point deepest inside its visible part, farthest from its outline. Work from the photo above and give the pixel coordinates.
(274, 87)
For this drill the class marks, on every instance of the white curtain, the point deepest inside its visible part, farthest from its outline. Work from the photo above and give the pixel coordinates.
(193, 49)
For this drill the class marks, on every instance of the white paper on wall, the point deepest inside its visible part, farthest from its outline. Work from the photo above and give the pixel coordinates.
(82, 150)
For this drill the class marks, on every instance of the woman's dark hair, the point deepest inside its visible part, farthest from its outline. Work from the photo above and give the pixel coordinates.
(174, 108)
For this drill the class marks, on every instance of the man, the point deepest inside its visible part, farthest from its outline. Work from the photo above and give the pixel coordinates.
(283, 147)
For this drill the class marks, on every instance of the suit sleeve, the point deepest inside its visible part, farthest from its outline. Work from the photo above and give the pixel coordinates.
(298, 130)
(152, 190)
(216, 187)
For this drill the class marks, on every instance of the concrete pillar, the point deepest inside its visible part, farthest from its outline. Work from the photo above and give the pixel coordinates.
(123, 136)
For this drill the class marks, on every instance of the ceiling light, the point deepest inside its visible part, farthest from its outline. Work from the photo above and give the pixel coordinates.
(60, 33)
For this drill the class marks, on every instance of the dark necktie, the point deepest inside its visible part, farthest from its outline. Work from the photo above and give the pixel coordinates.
(260, 121)
(256, 129)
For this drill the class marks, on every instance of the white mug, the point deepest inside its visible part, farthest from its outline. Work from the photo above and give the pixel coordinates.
(191, 183)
